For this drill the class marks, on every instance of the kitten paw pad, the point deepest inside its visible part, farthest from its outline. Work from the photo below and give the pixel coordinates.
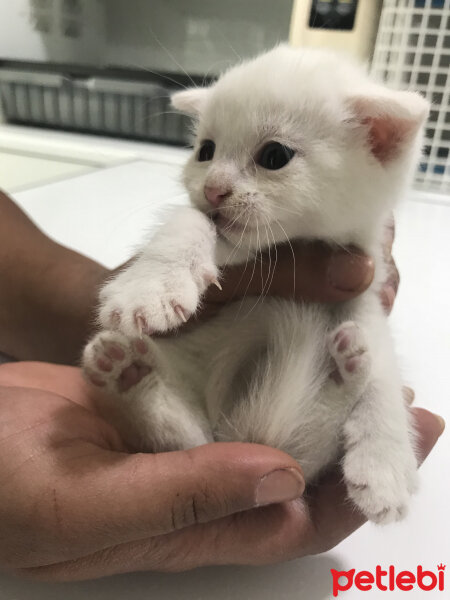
(347, 347)
(111, 359)
(132, 375)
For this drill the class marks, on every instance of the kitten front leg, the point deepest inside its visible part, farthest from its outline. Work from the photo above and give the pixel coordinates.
(380, 468)
(163, 286)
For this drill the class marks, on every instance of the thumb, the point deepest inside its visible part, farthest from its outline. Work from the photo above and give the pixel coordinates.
(322, 273)
(131, 497)
(305, 271)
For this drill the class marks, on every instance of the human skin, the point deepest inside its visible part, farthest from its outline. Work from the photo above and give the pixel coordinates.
(76, 504)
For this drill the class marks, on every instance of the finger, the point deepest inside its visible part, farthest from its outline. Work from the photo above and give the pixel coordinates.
(260, 536)
(408, 394)
(393, 278)
(429, 427)
(388, 238)
(326, 275)
(387, 297)
(306, 271)
(389, 290)
(131, 497)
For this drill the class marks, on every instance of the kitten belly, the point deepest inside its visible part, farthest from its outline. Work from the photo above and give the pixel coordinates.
(268, 379)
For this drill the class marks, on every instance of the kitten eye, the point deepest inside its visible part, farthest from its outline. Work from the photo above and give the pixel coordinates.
(206, 151)
(275, 156)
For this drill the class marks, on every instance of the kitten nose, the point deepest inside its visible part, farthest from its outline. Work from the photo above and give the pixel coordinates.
(216, 195)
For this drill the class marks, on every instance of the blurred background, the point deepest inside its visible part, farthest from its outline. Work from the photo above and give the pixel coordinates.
(107, 67)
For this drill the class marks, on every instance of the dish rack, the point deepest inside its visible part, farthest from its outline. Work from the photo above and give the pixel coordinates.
(102, 105)
(412, 51)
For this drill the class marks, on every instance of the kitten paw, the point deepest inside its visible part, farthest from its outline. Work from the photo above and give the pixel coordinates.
(347, 347)
(112, 360)
(381, 491)
(157, 299)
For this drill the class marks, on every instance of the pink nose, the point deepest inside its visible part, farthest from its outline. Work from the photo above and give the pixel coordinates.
(216, 195)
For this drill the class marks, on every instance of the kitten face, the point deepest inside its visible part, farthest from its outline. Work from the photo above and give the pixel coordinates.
(299, 144)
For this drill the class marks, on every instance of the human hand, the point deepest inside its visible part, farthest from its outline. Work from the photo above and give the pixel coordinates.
(76, 505)
(389, 290)
(322, 274)
(305, 271)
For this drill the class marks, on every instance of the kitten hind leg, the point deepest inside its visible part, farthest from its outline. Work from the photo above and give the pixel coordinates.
(379, 465)
(147, 410)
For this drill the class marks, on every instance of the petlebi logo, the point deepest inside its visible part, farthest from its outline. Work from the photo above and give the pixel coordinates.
(389, 579)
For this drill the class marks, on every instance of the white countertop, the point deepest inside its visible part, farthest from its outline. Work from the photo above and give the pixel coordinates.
(104, 214)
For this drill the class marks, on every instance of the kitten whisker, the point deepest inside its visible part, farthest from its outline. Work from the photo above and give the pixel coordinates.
(263, 284)
(270, 255)
(172, 57)
(219, 208)
(230, 225)
(238, 56)
(218, 62)
(157, 73)
(243, 273)
(294, 212)
(290, 246)
(164, 112)
(237, 247)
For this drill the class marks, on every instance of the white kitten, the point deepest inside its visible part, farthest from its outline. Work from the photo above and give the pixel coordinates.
(293, 144)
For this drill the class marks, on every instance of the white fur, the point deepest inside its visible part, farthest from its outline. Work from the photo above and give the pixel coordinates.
(261, 372)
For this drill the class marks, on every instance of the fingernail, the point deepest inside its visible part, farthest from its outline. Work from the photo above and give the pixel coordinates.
(350, 272)
(441, 423)
(387, 295)
(280, 485)
(408, 395)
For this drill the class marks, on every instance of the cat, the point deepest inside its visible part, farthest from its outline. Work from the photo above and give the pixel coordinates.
(296, 143)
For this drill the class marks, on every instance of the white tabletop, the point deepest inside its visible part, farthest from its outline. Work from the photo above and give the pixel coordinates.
(104, 215)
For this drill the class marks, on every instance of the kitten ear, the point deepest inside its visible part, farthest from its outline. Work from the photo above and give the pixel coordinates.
(390, 118)
(190, 101)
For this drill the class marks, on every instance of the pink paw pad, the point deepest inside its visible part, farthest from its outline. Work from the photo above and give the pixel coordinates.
(343, 341)
(140, 346)
(96, 380)
(114, 351)
(132, 375)
(104, 364)
(352, 364)
(350, 359)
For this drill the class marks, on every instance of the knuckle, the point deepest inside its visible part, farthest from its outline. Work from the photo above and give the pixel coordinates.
(196, 506)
